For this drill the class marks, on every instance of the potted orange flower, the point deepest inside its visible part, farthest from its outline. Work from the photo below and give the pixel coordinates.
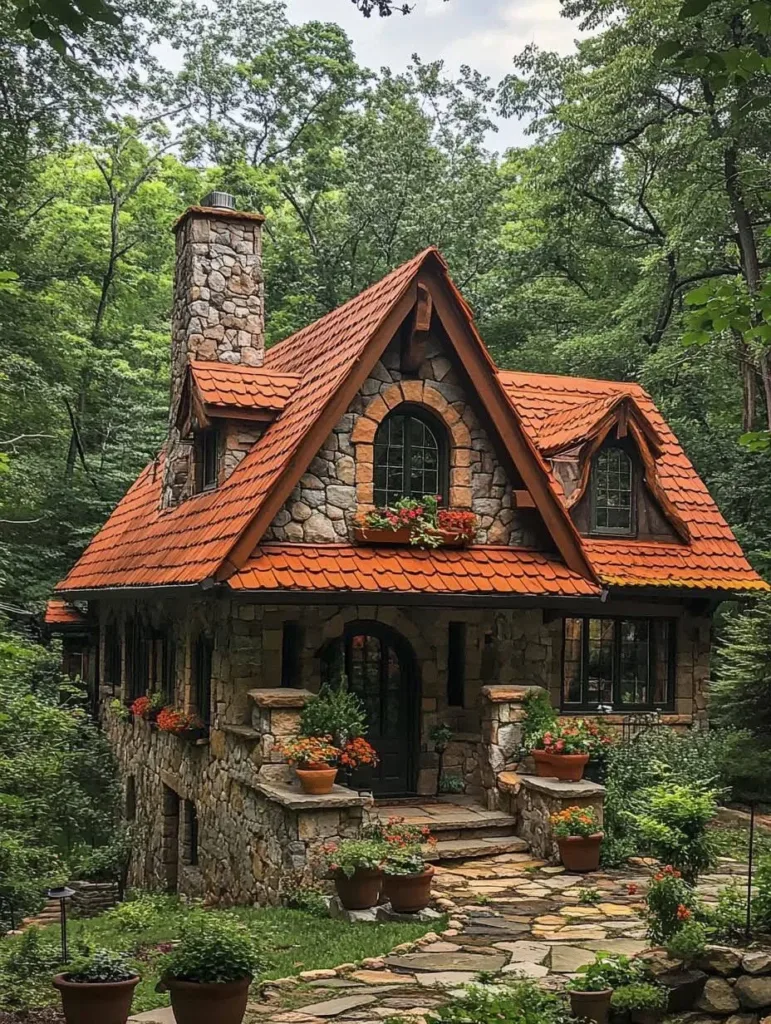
(314, 759)
(578, 834)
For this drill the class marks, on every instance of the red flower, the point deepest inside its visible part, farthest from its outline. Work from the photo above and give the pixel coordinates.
(633, 888)
(683, 913)
(140, 707)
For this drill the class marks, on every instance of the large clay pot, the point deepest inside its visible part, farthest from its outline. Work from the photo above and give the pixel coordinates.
(95, 1002)
(317, 780)
(566, 767)
(591, 1005)
(581, 853)
(196, 1002)
(408, 893)
(361, 891)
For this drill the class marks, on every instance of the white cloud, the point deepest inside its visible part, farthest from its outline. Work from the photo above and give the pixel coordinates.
(485, 34)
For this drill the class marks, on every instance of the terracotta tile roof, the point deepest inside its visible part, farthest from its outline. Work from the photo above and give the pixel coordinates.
(574, 424)
(242, 387)
(62, 613)
(483, 569)
(713, 559)
(142, 545)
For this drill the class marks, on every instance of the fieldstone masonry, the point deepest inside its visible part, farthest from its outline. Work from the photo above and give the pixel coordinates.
(218, 312)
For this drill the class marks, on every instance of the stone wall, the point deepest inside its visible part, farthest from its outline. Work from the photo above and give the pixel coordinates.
(339, 481)
(92, 898)
(533, 801)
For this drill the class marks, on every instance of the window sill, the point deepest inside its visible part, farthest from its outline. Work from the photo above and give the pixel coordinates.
(377, 535)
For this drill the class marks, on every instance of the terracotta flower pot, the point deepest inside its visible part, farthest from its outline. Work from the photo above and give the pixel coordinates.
(361, 891)
(591, 1005)
(567, 767)
(196, 1002)
(581, 853)
(408, 893)
(105, 1002)
(317, 779)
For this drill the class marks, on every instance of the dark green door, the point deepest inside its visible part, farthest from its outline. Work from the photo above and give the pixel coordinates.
(381, 670)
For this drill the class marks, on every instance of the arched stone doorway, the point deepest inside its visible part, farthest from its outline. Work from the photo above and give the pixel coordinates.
(381, 668)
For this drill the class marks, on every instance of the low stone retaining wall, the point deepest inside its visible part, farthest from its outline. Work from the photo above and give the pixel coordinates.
(533, 800)
(92, 898)
(726, 984)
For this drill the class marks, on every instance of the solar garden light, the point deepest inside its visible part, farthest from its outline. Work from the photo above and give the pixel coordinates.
(62, 894)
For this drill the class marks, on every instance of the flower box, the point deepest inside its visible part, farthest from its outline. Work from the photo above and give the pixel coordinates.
(380, 535)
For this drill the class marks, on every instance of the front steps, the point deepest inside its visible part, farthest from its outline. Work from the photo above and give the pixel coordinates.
(462, 829)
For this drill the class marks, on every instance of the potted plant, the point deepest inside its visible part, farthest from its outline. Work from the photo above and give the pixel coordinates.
(148, 707)
(180, 723)
(357, 753)
(591, 991)
(562, 751)
(209, 973)
(416, 521)
(313, 758)
(407, 879)
(356, 868)
(642, 1001)
(98, 990)
(578, 834)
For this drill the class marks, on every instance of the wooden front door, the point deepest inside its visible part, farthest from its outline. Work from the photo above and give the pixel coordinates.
(381, 670)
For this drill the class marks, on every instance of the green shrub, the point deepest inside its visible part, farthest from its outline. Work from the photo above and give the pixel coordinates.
(761, 902)
(539, 716)
(670, 903)
(309, 898)
(102, 965)
(522, 1003)
(673, 827)
(214, 950)
(451, 782)
(728, 919)
(142, 912)
(608, 970)
(26, 968)
(642, 995)
(688, 943)
(335, 712)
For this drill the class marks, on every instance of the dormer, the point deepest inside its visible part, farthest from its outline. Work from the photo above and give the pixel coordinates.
(223, 410)
(605, 456)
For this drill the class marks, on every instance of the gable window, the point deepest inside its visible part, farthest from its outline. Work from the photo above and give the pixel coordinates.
(206, 459)
(410, 456)
(623, 664)
(612, 499)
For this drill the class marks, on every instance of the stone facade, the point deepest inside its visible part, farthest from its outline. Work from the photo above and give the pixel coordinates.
(339, 481)
(218, 313)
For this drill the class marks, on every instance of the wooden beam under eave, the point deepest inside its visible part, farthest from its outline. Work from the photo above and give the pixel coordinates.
(416, 339)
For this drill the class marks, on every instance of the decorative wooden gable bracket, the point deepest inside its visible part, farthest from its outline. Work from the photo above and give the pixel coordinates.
(416, 338)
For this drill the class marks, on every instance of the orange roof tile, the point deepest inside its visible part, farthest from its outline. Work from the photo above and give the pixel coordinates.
(712, 559)
(242, 387)
(62, 613)
(482, 569)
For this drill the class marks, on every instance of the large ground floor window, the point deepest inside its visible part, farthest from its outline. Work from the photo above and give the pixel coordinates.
(618, 664)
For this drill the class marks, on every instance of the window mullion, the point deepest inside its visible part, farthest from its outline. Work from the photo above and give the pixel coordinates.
(407, 458)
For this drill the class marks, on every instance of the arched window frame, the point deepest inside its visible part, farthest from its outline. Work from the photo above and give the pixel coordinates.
(413, 411)
(613, 451)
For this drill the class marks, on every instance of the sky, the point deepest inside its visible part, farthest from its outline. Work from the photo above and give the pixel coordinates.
(484, 34)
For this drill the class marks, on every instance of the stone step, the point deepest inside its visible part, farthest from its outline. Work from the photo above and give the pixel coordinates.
(461, 849)
(492, 823)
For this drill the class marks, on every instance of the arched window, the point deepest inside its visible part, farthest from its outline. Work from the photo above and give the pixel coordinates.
(613, 506)
(410, 456)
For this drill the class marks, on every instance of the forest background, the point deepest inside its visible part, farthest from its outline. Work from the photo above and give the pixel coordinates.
(629, 240)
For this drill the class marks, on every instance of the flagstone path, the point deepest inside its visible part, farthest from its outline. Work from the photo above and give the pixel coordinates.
(509, 917)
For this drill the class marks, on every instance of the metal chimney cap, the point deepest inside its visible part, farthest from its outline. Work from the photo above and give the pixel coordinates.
(221, 200)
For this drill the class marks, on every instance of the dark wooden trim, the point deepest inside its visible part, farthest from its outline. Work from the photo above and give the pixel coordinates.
(309, 445)
(229, 412)
(481, 371)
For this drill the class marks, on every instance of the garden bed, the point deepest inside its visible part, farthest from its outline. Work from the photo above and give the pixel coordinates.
(294, 941)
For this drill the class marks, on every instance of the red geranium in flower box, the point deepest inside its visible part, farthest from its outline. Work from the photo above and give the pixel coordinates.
(416, 521)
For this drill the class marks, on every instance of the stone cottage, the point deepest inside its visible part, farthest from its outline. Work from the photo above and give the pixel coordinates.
(233, 577)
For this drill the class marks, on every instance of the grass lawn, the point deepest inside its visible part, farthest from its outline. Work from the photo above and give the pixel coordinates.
(293, 940)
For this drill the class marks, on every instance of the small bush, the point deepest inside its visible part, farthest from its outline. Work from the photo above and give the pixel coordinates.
(761, 903)
(670, 903)
(214, 950)
(608, 970)
(673, 827)
(450, 782)
(335, 712)
(540, 716)
(728, 920)
(689, 942)
(101, 966)
(309, 898)
(523, 1003)
(140, 913)
(27, 968)
(642, 995)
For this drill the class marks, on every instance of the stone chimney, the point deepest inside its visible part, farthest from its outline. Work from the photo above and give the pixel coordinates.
(218, 312)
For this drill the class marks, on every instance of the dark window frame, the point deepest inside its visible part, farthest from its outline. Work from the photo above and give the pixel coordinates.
(583, 706)
(202, 677)
(113, 656)
(291, 653)
(410, 411)
(614, 531)
(456, 664)
(207, 458)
